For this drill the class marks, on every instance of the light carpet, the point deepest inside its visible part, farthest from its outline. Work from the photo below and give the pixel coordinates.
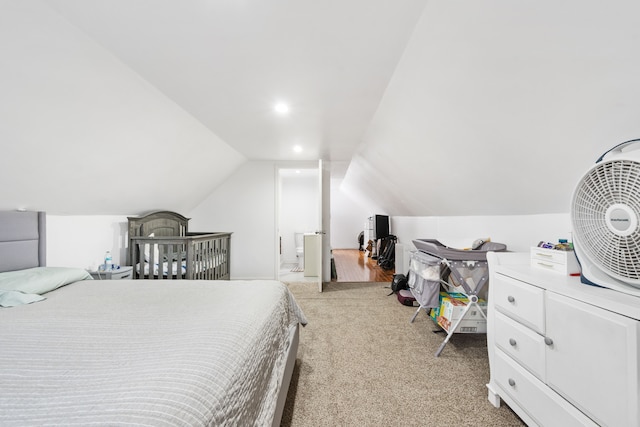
(361, 363)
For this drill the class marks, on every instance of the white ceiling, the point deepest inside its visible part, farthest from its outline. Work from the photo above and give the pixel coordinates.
(227, 62)
(490, 107)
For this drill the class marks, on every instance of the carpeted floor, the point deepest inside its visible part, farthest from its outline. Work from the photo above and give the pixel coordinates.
(361, 363)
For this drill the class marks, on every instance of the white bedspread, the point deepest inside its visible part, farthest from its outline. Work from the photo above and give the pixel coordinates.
(181, 353)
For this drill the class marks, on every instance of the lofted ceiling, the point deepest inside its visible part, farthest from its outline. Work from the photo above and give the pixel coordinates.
(438, 107)
(228, 62)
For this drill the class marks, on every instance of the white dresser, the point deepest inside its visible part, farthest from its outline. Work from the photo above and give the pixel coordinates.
(561, 353)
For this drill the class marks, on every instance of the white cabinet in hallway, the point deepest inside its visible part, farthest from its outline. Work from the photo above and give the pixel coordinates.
(311, 254)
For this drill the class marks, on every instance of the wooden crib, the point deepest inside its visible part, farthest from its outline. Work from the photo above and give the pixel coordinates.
(161, 247)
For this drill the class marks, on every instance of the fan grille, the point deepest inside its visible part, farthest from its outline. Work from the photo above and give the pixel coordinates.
(605, 185)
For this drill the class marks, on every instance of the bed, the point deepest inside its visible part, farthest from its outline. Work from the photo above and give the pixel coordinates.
(162, 247)
(143, 352)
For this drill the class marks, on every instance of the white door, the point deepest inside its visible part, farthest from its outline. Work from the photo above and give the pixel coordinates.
(324, 252)
(319, 231)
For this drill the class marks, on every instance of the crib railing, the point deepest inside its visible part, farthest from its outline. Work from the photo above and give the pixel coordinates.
(197, 256)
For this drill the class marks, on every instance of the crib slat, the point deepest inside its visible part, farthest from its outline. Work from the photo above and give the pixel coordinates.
(217, 259)
(204, 259)
(207, 266)
(221, 258)
(171, 254)
(138, 272)
(227, 252)
(173, 262)
(215, 251)
(196, 266)
(176, 251)
(215, 268)
(190, 259)
(196, 260)
(197, 256)
(160, 249)
(152, 260)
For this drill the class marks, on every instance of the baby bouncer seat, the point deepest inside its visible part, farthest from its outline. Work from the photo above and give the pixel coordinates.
(433, 265)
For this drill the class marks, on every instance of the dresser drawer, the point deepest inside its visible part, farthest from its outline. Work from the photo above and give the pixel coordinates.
(545, 406)
(522, 344)
(520, 301)
(550, 255)
(551, 266)
(563, 262)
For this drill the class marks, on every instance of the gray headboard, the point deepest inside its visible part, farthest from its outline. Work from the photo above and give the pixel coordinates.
(22, 240)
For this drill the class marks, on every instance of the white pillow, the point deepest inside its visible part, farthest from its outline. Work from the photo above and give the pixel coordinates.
(15, 298)
(40, 280)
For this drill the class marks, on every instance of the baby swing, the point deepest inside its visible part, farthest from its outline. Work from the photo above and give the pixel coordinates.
(434, 263)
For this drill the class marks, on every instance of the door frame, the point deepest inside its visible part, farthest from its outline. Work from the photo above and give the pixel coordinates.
(324, 223)
(277, 179)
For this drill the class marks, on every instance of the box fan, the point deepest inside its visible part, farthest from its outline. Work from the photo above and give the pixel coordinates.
(605, 213)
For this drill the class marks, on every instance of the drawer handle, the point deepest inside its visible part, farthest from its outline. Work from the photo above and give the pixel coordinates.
(548, 341)
(512, 382)
(544, 255)
(512, 342)
(511, 299)
(542, 264)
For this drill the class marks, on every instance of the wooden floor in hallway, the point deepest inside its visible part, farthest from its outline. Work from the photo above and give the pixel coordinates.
(353, 265)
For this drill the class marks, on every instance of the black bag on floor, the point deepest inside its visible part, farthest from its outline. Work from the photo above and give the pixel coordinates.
(399, 282)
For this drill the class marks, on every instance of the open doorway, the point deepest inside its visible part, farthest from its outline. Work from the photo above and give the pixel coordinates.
(349, 219)
(298, 218)
(374, 260)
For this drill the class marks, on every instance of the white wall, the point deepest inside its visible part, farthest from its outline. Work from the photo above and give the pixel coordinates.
(518, 232)
(299, 210)
(81, 241)
(82, 133)
(497, 107)
(349, 210)
(245, 205)
(348, 216)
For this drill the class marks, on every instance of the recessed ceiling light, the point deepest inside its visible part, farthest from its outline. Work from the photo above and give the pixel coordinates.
(297, 148)
(281, 108)
(298, 171)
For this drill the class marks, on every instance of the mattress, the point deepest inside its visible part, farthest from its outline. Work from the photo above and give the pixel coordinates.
(173, 266)
(144, 352)
(166, 266)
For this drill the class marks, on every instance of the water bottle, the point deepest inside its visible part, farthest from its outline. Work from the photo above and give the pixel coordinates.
(108, 261)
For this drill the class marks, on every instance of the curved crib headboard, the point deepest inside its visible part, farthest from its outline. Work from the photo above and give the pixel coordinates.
(23, 242)
(160, 224)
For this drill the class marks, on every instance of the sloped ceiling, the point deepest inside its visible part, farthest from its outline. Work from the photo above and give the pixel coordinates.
(498, 107)
(184, 91)
(227, 62)
(439, 107)
(81, 133)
